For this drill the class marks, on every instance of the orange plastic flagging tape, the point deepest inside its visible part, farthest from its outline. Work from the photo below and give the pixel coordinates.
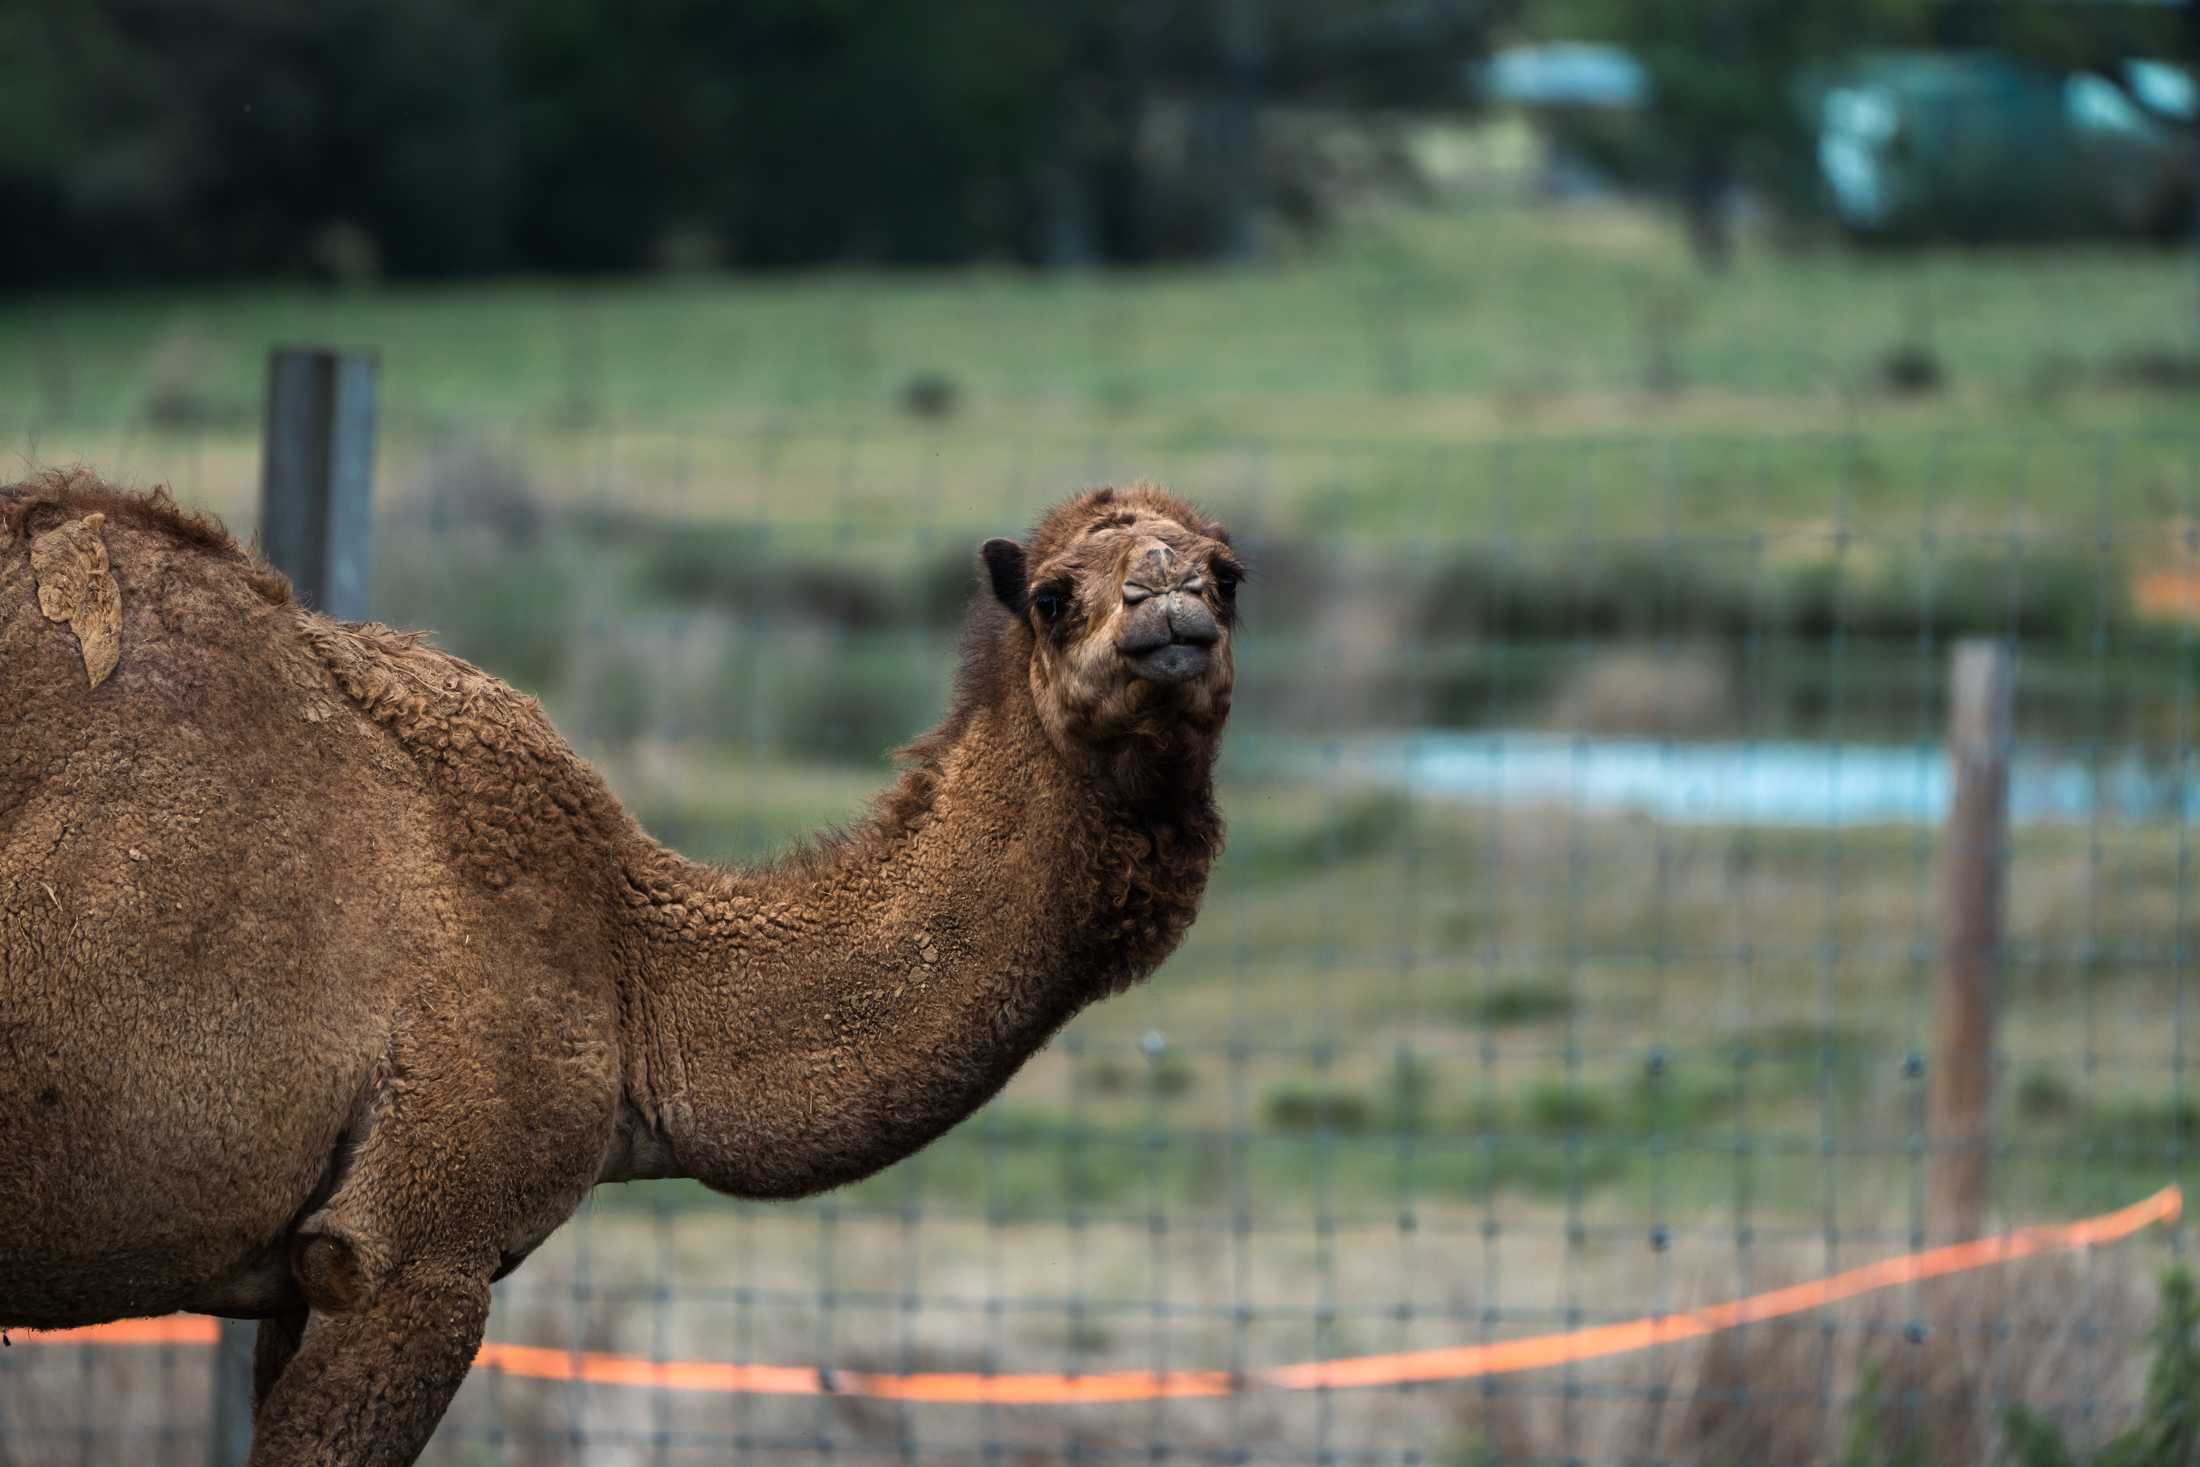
(1461, 1362)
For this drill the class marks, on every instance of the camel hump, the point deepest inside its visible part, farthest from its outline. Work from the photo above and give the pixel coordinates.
(107, 565)
(174, 619)
(41, 504)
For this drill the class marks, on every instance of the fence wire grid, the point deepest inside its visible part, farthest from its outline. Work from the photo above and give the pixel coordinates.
(1574, 957)
(1578, 951)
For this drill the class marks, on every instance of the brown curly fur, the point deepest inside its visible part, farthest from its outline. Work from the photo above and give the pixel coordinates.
(331, 979)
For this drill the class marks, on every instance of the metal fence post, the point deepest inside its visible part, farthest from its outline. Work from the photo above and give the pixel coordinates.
(1971, 896)
(316, 477)
(317, 526)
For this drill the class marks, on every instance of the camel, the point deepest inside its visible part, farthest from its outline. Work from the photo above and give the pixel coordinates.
(332, 979)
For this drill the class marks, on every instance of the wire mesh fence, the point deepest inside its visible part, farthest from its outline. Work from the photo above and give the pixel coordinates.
(1580, 953)
(1574, 958)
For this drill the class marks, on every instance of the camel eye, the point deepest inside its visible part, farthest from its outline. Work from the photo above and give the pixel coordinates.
(1047, 602)
(1226, 581)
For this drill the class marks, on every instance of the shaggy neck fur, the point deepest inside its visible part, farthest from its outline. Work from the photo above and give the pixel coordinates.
(798, 1027)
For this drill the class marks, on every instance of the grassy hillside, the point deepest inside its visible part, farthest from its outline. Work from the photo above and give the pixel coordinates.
(1423, 370)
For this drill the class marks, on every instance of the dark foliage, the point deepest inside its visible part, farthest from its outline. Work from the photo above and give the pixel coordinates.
(188, 138)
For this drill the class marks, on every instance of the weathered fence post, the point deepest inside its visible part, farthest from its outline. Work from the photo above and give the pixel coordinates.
(316, 477)
(1972, 879)
(317, 526)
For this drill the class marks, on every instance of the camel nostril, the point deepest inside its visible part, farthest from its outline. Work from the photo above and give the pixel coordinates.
(1144, 628)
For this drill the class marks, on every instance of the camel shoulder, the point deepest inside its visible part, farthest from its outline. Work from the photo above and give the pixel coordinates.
(436, 704)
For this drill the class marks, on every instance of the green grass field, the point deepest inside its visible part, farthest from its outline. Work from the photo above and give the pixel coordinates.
(1422, 371)
(1415, 327)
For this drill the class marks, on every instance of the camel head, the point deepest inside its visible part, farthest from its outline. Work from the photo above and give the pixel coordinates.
(1124, 601)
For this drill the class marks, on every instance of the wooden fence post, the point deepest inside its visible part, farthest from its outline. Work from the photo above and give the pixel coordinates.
(1971, 897)
(1973, 878)
(317, 526)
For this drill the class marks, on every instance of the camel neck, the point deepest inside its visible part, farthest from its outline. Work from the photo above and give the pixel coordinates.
(801, 1026)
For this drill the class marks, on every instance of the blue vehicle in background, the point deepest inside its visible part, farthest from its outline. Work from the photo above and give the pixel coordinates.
(1915, 145)
(1976, 146)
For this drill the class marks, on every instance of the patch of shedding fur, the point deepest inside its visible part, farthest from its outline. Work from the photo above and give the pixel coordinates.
(74, 586)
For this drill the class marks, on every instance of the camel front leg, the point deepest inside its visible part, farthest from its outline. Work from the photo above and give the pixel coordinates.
(367, 1386)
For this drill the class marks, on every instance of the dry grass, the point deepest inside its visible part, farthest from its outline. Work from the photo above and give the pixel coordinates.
(2065, 1336)
(1675, 693)
(1941, 1365)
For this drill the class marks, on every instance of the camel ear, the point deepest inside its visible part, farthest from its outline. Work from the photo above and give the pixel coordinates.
(1004, 565)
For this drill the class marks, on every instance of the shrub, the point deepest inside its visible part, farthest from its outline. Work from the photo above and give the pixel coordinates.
(185, 361)
(2167, 1433)
(469, 483)
(1561, 1105)
(2044, 590)
(1307, 1108)
(2043, 1094)
(1527, 1001)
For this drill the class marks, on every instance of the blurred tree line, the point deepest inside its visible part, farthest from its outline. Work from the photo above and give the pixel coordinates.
(161, 139)
(148, 139)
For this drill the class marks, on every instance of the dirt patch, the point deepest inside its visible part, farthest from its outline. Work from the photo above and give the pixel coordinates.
(1659, 691)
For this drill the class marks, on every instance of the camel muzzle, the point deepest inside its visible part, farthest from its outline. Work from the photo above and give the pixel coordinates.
(1167, 632)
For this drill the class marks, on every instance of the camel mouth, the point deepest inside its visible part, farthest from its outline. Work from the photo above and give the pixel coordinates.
(1177, 662)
